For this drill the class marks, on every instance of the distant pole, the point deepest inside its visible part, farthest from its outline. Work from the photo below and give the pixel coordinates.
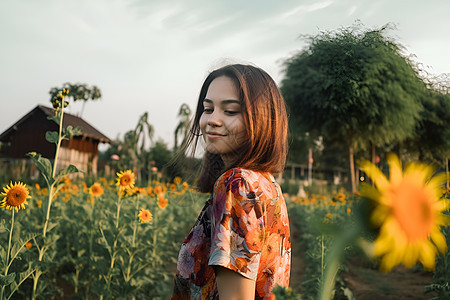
(310, 163)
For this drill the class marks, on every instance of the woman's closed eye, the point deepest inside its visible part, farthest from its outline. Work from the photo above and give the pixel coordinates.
(231, 112)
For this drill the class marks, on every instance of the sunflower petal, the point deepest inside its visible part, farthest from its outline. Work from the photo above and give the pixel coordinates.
(377, 176)
(439, 240)
(411, 256)
(395, 168)
(427, 256)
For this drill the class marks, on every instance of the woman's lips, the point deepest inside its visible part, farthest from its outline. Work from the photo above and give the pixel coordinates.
(213, 135)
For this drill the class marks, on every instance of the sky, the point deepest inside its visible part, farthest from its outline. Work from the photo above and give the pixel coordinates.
(153, 55)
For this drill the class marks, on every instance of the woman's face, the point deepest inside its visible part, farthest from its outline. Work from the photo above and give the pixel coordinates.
(221, 123)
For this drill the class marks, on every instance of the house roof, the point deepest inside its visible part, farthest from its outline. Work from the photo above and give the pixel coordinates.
(74, 121)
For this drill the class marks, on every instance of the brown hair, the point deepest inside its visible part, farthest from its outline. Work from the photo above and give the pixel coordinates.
(265, 120)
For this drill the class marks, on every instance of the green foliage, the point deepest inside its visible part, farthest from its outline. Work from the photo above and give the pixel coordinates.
(355, 86)
(44, 166)
(355, 83)
(441, 276)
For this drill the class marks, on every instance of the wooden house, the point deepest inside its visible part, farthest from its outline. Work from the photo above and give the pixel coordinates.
(28, 135)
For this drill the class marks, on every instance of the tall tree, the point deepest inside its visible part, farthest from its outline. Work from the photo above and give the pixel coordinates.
(354, 84)
(432, 139)
(182, 128)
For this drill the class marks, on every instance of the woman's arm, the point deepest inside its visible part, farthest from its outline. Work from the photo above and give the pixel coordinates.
(233, 286)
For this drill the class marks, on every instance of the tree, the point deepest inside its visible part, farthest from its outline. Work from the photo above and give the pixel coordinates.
(143, 128)
(184, 115)
(354, 84)
(78, 92)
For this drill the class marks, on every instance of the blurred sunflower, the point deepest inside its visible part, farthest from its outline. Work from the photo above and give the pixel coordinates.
(15, 196)
(177, 180)
(96, 189)
(125, 179)
(408, 212)
(133, 191)
(157, 189)
(162, 202)
(145, 215)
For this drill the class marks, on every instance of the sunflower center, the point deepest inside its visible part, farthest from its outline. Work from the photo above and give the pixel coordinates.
(413, 210)
(125, 180)
(16, 196)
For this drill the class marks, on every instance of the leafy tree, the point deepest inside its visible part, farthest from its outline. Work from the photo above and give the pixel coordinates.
(432, 140)
(78, 92)
(355, 85)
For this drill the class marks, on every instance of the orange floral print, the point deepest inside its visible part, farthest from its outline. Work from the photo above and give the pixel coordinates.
(244, 227)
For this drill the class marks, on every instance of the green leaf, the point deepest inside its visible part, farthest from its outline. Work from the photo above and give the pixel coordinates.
(44, 166)
(70, 131)
(52, 137)
(66, 171)
(7, 280)
(55, 119)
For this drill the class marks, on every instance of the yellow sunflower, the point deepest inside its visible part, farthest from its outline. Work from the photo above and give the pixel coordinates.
(96, 189)
(177, 180)
(408, 212)
(162, 202)
(125, 179)
(15, 196)
(145, 215)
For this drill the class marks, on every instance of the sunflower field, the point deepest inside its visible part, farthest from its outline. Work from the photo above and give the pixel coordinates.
(81, 237)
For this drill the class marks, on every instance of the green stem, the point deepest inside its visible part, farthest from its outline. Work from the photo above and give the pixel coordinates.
(130, 261)
(9, 242)
(35, 282)
(133, 242)
(333, 262)
(323, 255)
(47, 217)
(118, 208)
(59, 138)
(155, 236)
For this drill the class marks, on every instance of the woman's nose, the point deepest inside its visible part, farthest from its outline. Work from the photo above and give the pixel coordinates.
(214, 120)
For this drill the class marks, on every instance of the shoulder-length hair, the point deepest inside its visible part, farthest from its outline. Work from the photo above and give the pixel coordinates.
(265, 120)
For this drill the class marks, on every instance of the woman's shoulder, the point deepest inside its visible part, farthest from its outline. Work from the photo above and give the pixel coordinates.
(243, 174)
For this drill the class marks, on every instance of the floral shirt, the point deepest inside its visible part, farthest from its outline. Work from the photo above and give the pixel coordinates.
(244, 227)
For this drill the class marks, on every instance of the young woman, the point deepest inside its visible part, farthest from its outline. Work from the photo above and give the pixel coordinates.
(239, 247)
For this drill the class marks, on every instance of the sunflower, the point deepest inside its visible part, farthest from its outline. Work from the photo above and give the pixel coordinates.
(145, 215)
(125, 179)
(96, 190)
(16, 196)
(408, 212)
(177, 180)
(162, 202)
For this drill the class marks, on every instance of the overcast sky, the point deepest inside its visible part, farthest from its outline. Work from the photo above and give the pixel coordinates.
(153, 55)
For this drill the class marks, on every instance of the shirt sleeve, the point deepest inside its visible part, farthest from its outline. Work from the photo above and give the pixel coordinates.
(237, 226)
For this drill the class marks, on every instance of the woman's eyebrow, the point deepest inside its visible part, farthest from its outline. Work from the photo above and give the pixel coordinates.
(223, 101)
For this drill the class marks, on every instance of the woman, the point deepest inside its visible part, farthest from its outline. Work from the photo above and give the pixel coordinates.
(239, 247)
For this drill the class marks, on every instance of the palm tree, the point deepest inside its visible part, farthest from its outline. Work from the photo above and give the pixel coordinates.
(184, 115)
